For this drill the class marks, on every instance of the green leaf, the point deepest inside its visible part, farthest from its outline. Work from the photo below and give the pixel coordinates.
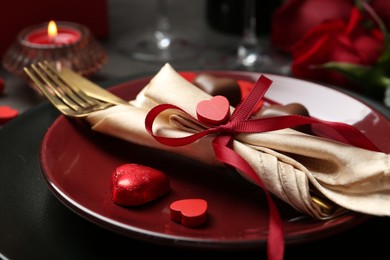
(372, 80)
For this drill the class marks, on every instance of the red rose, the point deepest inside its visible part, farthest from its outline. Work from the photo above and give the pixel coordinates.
(335, 41)
(382, 9)
(295, 17)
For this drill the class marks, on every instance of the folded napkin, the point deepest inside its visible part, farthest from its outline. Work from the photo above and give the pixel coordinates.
(292, 165)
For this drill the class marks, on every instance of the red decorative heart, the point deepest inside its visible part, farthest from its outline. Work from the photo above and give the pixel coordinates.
(214, 111)
(189, 76)
(246, 88)
(189, 212)
(134, 184)
(7, 113)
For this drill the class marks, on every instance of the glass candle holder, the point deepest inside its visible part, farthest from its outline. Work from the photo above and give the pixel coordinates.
(73, 47)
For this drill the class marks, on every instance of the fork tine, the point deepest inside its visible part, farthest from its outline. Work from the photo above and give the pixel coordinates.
(41, 85)
(75, 93)
(52, 97)
(51, 87)
(76, 96)
(70, 100)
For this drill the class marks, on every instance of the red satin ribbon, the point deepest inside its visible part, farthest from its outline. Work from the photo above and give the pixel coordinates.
(239, 122)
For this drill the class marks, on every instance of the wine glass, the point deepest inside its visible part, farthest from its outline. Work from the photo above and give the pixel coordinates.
(162, 43)
(251, 53)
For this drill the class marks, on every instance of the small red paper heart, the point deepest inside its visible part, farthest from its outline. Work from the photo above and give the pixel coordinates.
(134, 184)
(246, 88)
(189, 212)
(189, 76)
(7, 113)
(214, 111)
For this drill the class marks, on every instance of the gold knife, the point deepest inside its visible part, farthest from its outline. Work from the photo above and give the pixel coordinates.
(90, 87)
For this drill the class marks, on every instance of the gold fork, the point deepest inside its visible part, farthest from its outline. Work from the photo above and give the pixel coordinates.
(89, 87)
(69, 99)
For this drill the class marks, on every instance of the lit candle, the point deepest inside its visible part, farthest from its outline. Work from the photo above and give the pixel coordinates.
(53, 36)
(61, 43)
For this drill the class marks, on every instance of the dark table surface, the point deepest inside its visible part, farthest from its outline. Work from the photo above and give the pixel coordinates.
(35, 225)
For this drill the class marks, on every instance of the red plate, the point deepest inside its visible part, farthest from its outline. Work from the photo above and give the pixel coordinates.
(77, 163)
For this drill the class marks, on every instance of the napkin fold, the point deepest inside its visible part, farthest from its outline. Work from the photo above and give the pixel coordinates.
(292, 165)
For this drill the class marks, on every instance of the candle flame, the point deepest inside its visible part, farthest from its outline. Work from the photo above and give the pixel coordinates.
(52, 29)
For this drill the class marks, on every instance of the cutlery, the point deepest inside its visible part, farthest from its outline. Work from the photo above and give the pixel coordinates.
(89, 87)
(68, 98)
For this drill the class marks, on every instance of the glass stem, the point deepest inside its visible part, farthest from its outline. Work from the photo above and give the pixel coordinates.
(248, 49)
(163, 25)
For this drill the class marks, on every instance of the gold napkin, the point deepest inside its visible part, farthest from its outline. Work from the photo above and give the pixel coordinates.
(291, 164)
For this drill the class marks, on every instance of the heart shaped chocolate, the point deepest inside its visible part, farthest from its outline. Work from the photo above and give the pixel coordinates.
(213, 111)
(134, 184)
(283, 110)
(219, 86)
(189, 212)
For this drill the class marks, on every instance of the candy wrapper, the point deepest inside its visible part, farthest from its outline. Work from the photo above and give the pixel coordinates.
(292, 165)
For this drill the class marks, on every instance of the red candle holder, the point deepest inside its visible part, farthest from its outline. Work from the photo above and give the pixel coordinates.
(73, 47)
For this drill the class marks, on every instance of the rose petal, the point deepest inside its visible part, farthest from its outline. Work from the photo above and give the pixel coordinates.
(295, 17)
(382, 9)
(314, 35)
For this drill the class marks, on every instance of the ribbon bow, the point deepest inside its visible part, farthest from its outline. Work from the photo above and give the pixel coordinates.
(240, 122)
